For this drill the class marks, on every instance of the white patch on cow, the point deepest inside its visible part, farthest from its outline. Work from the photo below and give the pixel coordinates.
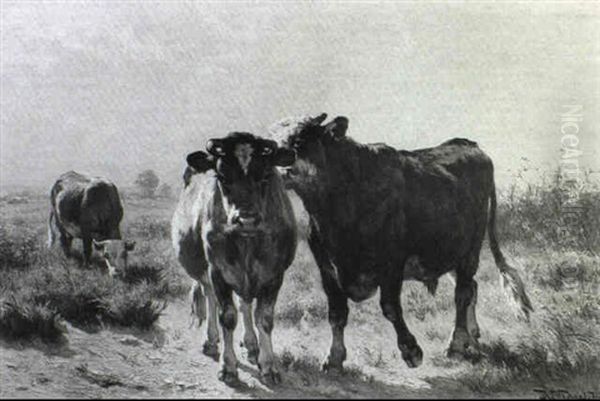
(243, 152)
(231, 212)
(280, 130)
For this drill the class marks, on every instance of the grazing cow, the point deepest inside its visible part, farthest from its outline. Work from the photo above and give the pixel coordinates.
(88, 208)
(372, 208)
(235, 225)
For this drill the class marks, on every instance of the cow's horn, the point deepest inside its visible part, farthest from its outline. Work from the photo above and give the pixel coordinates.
(215, 147)
(318, 120)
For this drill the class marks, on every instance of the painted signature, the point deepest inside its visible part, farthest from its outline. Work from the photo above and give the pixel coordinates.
(562, 394)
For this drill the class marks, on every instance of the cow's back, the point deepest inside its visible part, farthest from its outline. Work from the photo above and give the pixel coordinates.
(101, 205)
(80, 202)
(448, 189)
(186, 224)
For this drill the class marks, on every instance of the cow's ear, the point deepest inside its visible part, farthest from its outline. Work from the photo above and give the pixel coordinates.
(129, 245)
(215, 147)
(284, 157)
(337, 128)
(200, 161)
(99, 246)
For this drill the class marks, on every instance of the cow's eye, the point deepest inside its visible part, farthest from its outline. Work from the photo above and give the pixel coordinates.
(267, 151)
(297, 145)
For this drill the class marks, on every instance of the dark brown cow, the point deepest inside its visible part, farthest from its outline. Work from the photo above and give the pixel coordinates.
(88, 208)
(235, 224)
(373, 207)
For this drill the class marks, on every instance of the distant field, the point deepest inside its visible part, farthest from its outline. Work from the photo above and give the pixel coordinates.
(47, 302)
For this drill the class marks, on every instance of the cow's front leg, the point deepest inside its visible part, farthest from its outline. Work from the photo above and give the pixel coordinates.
(250, 340)
(228, 320)
(87, 250)
(265, 306)
(392, 310)
(337, 304)
(338, 318)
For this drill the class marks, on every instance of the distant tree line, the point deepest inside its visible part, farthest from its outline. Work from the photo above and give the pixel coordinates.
(149, 185)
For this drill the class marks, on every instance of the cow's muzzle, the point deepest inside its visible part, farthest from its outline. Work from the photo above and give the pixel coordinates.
(247, 223)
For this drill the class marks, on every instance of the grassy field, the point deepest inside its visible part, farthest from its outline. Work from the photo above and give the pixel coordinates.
(44, 297)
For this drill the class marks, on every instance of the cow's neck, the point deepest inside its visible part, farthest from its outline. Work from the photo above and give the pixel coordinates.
(333, 199)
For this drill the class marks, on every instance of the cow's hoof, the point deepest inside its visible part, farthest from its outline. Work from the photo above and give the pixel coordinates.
(454, 354)
(270, 376)
(228, 377)
(473, 355)
(463, 346)
(211, 350)
(470, 352)
(413, 356)
(329, 366)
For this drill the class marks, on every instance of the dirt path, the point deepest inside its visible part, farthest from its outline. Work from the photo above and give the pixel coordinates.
(167, 362)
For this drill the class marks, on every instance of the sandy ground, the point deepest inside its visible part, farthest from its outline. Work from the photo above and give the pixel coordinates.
(167, 362)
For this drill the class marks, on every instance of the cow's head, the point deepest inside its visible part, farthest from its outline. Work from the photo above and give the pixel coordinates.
(244, 166)
(309, 138)
(114, 252)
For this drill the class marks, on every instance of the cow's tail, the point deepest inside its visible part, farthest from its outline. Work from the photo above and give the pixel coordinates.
(511, 281)
(52, 218)
(51, 235)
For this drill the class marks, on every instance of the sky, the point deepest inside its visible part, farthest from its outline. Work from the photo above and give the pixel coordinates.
(112, 88)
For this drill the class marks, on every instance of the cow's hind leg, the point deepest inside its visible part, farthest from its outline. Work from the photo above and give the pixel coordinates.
(265, 306)
(250, 340)
(392, 310)
(198, 303)
(466, 331)
(472, 325)
(211, 345)
(228, 320)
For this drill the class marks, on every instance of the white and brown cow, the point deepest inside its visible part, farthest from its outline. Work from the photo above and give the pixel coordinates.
(234, 232)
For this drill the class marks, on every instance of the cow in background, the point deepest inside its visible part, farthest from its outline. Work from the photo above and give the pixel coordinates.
(88, 208)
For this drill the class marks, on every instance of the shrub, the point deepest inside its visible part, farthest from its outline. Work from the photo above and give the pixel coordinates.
(561, 344)
(552, 213)
(17, 250)
(20, 320)
(134, 307)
